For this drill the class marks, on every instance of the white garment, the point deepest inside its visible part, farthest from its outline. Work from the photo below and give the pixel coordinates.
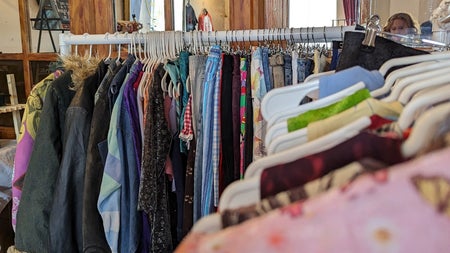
(207, 24)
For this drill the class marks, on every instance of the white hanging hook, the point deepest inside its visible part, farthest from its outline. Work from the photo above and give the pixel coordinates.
(90, 51)
(133, 45)
(141, 43)
(110, 46)
(118, 48)
(129, 47)
(85, 37)
(175, 45)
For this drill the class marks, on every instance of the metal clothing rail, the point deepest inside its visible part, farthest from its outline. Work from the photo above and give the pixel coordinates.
(303, 35)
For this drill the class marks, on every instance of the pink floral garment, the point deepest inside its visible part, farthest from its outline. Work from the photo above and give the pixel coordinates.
(403, 209)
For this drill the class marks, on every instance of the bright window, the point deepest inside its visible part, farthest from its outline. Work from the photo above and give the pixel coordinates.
(178, 14)
(307, 13)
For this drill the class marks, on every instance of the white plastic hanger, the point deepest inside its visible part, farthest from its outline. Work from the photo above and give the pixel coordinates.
(280, 126)
(163, 82)
(118, 54)
(299, 137)
(247, 191)
(288, 140)
(412, 60)
(281, 99)
(424, 128)
(420, 102)
(153, 52)
(284, 98)
(315, 76)
(444, 67)
(408, 70)
(292, 112)
(256, 167)
(208, 224)
(409, 91)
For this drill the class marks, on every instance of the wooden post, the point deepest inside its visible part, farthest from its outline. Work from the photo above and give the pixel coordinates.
(14, 101)
(168, 15)
(276, 14)
(26, 45)
(244, 14)
(93, 17)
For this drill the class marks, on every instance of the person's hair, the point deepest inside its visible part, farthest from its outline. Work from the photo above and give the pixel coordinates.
(403, 16)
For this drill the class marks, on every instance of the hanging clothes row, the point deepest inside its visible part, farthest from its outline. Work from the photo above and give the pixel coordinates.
(355, 159)
(129, 153)
(90, 189)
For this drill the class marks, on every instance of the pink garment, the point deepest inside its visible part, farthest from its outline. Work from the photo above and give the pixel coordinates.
(405, 208)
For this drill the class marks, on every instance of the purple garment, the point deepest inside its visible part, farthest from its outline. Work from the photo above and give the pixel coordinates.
(130, 103)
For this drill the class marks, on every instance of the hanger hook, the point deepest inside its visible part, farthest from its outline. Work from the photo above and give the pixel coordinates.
(232, 40)
(281, 32)
(200, 39)
(307, 34)
(191, 42)
(292, 35)
(312, 35)
(226, 37)
(264, 39)
(90, 51)
(301, 35)
(215, 37)
(209, 34)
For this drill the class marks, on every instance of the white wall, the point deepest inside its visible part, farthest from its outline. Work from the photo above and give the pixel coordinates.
(10, 27)
(382, 9)
(10, 41)
(410, 6)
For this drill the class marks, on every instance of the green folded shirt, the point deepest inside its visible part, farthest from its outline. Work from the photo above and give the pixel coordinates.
(302, 120)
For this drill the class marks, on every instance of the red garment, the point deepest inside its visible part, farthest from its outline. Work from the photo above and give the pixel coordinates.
(297, 173)
(187, 132)
(205, 25)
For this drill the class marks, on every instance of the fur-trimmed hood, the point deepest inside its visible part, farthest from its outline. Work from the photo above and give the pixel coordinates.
(81, 67)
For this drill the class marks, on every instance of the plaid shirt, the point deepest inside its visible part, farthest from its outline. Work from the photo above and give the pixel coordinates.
(187, 133)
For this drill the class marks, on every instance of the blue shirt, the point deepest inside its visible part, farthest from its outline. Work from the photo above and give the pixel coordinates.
(341, 80)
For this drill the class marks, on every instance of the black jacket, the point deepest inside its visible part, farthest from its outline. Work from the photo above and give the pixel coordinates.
(66, 212)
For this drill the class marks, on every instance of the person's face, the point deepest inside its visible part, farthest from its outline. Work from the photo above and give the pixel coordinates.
(399, 26)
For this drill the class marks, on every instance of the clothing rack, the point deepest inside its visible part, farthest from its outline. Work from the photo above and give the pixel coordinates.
(303, 35)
